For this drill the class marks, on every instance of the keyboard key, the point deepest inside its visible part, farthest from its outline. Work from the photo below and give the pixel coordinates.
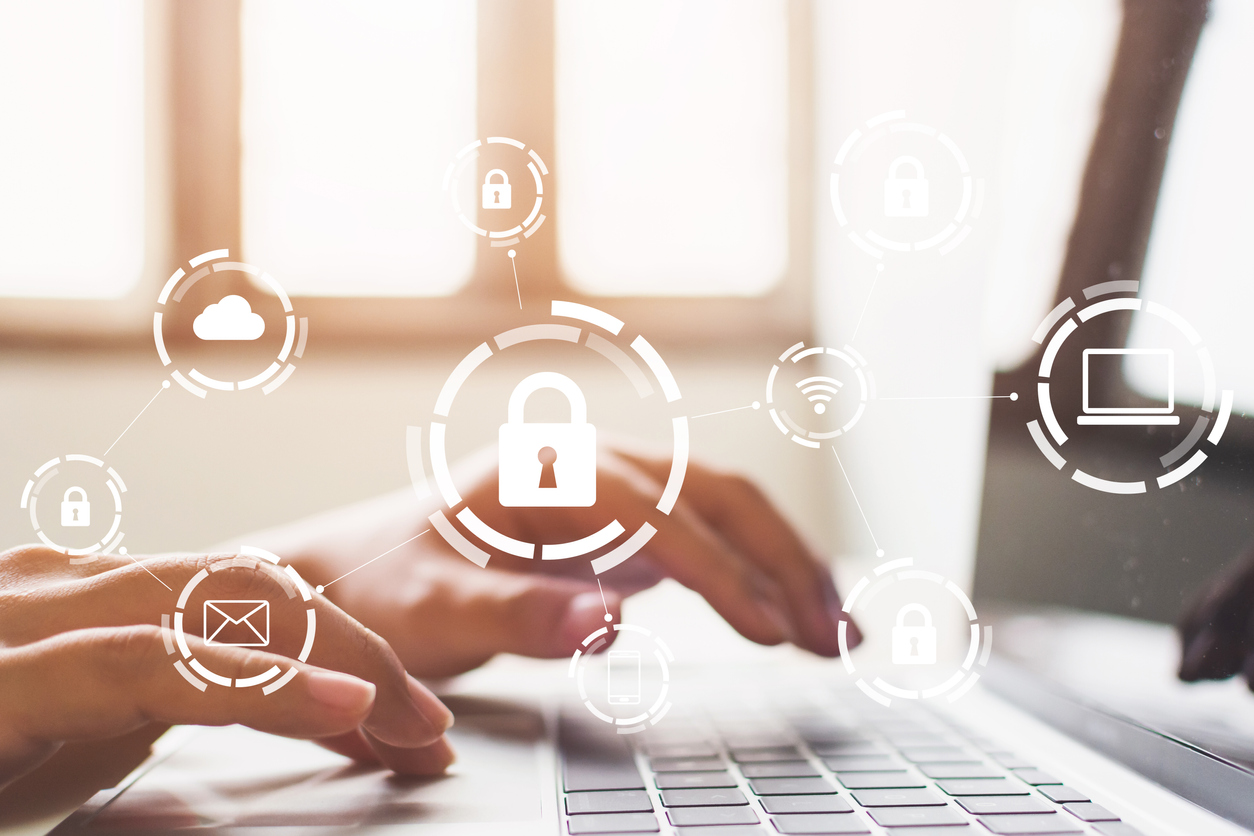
(766, 754)
(703, 798)
(821, 823)
(613, 823)
(962, 770)
(805, 804)
(1010, 761)
(791, 786)
(1088, 811)
(842, 749)
(681, 750)
(1117, 828)
(1046, 823)
(984, 805)
(703, 816)
(685, 764)
(1035, 777)
(916, 816)
(779, 769)
(724, 830)
(915, 740)
(937, 754)
(690, 780)
(982, 786)
(898, 798)
(879, 780)
(614, 801)
(1062, 794)
(861, 763)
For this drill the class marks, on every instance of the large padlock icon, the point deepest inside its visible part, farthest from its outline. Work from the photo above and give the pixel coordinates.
(548, 465)
(914, 645)
(905, 197)
(496, 195)
(75, 513)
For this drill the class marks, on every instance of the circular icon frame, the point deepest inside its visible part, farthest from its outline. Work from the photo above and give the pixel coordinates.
(953, 688)
(661, 652)
(30, 502)
(510, 235)
(607, 348)
(276, 374)
(1104, 298)
(270, 680)
(873, 243)
(785, 423)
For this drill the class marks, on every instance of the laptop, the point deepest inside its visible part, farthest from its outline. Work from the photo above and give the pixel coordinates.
(1077, 725)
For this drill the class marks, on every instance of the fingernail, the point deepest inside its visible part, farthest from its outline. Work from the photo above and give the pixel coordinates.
(584, 614)
(341, 691)
(436, 712)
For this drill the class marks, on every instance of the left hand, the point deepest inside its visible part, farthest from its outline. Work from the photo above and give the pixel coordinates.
(443, 615)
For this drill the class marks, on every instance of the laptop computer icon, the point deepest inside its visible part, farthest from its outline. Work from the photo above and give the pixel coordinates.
(1156, 364)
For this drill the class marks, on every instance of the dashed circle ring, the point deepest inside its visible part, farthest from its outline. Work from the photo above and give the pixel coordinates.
(293, 342)
(30, 501)
(498, 237)
(271, 680)
(661, 653)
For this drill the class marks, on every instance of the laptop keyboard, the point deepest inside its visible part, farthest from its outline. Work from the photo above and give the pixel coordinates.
(899, 773)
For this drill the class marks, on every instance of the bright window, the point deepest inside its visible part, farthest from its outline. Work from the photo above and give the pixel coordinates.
(1199, 263)
(350, 114)
(72, 150)
(672, 134)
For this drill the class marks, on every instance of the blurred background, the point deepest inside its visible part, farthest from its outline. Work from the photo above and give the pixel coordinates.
(688, 145)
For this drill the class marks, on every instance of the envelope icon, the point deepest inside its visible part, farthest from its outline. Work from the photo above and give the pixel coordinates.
(237, 623)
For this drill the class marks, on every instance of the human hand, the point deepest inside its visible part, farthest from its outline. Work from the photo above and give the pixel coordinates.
(81, 658)
(1217, 626)
(444, 615)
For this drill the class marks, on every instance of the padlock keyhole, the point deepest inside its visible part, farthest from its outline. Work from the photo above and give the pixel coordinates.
(75, 515)
(548, 474)
(496, 196)
(905, 199)
(914, 646)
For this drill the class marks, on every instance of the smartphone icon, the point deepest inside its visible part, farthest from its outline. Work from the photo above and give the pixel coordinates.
(624, 677)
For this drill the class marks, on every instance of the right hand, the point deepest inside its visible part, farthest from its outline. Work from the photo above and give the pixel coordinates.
(1217, 627)
(82, 657)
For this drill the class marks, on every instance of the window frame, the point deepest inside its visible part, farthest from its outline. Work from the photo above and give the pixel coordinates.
(193, 192)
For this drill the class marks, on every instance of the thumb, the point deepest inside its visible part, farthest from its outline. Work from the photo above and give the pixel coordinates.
(483, 613)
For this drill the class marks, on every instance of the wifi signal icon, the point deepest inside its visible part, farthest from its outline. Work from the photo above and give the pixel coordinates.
(819, 391)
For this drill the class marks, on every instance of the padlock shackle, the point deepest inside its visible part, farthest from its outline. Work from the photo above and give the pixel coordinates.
(548, 380)
(82, 493)
(505, 178)
(905, 160)
(909, 608)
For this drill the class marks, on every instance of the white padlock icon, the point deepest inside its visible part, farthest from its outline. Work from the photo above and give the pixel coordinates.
(905, 197)
(75, 513)
(548, 465)
(914, 645)
(496, 195)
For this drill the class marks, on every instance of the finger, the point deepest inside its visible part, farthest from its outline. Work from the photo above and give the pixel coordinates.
(352, 745)
(106, 682)
(404, 713)
(424, 760)
(468, 615)
(738, 510)
(695, 555)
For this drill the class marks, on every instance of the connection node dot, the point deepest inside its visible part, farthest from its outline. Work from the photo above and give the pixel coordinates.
(609, 617)
(820, 408)
(757, 405)
(879, 552)
(122, 550)
(1014, 396)
(165, 384)
(318, 589)
(511, 253)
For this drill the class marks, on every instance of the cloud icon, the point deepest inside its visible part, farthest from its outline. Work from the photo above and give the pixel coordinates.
(229, 319)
